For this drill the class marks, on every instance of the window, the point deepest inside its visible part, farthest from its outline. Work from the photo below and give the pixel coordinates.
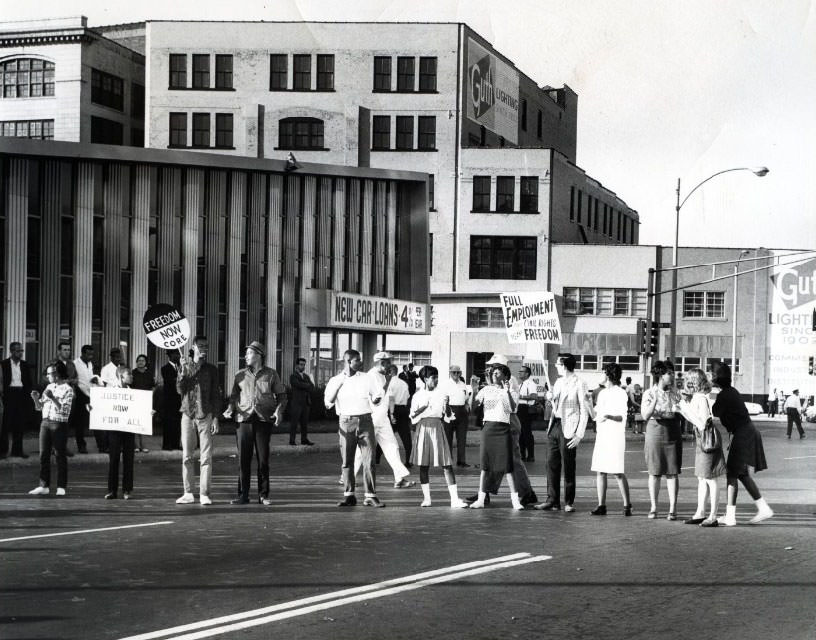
(201, 71)
(223, 130)
(302, 72)
(579, 216)
(529, 194)
(27, 78)
(703, 304)
(223, 71)
(278, 72)
(606, 220)
(36, 129)
(301, 133)
(627, 363)
(426, 138)
(178, 129)
(595, 215)
(572, 204)
(687, 363)
(712, 361)
(325, 72)
(618, 228)
(485, 318)
(137, 100)
(539, 119)
(481, 193)
(178, 71)
(136, 137)
(586, 362)
(523, 114)
(604, 302)
(381, 132)
(431, 205)
(427, 74)
(405, 132)
(104, 131)
(430, 254)
(382, 73)
(505, 193)
(405, 74)
(503, 257)
(201, 130)
(107, 90)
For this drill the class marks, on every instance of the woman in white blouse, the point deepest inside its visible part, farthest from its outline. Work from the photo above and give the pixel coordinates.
(610, 441)
(498, 401)
(428, 407)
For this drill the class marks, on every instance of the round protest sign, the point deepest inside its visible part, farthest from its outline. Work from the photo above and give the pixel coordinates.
(166, 326)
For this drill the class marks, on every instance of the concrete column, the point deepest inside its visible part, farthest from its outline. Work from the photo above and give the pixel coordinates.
(352, 262)
(213, 255)
(290, 267)
(255, 254)
(114, 194)
(144, 182)
(16, 205)
(307, 263)
(169, 210)
(88, 177)
(323, 268)
(273, 262)
(235, 245)
(193, 210)
(339, 236)
(380, 226)
(391, 240)
(50, 248)
(367, 236)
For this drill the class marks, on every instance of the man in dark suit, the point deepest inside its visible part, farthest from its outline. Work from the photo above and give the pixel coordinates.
(301, 402)
(16, 387)
(171, 403)
(409, 377)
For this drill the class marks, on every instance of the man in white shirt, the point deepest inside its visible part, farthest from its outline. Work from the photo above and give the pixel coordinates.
(353, 393)
(458, 394)
(568, 422)
(383, 431)
(82, 397)
(528, 394)
(399, 396)
(793, 409)
(108, 373)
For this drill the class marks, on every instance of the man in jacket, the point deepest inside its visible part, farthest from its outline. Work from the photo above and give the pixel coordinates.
(200, 405)
(301, 404)
(16, 388)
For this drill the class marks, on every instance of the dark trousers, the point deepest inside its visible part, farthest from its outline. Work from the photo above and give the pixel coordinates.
(298, 416)
(458, 425)
(526, 442)
(494, 479)
(79, 418)
(120, 443)
(773, 407)
(17, 414)
(357, 431)
(53, 435)
(253, 436)
(171, 429)
(403, 429)
(558, 454)
(795, 419)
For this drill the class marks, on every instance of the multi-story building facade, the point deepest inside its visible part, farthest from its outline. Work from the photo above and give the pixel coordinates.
(499, 151)
(64, 81)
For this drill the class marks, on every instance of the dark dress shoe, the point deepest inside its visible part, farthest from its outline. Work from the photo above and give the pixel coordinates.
(710, 523)
(69, 454)
(548, 506)
(348, 501)
(529, 498)
(600, 510)
(627, 511)
(110, 496)
(308, 443)
(292, 443)
(693, 521)
(240, 500)
(462, 464)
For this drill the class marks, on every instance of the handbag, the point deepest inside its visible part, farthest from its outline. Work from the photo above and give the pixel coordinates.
(710, 439)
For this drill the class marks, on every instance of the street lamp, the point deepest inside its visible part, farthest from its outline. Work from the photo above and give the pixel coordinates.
(742, 254)
(757, 171)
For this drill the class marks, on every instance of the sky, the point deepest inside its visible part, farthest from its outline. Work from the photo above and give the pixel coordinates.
(666, 90)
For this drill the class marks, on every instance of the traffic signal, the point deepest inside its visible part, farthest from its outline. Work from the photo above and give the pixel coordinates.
(647, 343)
(811, 371)
(813, 320)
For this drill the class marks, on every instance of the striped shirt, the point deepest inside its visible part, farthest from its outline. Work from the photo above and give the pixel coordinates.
(64, 393)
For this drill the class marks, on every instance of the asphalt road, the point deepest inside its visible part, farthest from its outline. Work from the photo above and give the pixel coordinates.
(304, 569)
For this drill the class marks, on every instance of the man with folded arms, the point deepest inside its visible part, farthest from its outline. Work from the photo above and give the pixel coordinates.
(353, 393)
(458, 394)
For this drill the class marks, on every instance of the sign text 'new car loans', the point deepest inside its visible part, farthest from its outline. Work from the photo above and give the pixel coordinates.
(381, 314)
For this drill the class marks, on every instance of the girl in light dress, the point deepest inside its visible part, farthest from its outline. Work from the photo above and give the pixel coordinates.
(428, 407)
(708, 467)
(610, 442)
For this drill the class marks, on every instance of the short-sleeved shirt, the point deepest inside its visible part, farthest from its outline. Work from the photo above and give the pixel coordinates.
(398, 392)
(496, 403)
(63, 392)
(254, 393)
(457, 391)
(355, 395)
(528, 388)
(436, 404)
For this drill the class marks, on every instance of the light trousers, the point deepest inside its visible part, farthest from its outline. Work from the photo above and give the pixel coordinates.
(189, 428)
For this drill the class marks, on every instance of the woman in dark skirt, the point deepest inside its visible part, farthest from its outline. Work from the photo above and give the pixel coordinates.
(496, 450)
(663, 447)
(746, 448)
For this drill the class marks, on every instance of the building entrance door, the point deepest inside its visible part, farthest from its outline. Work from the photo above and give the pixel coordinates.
(475, 364)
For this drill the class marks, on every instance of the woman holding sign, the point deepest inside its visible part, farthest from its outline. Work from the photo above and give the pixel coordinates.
(124, 444)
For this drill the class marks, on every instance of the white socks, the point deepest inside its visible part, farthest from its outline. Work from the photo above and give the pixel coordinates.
(480, 501)
(514, 498)
(426, 494)
(455, 502)
(730, 517)
(763, 511)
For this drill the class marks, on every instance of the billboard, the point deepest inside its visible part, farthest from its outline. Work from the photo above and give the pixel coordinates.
(491, 92)
(791, 339)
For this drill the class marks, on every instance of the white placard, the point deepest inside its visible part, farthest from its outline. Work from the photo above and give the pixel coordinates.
(531, 316)
(116, 409)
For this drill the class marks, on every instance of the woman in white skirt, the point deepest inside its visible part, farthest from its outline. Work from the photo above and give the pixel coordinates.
(428, 407)
(709, 467)
(610, 441)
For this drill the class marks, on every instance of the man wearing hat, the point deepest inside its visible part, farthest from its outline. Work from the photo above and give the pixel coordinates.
(257, 401)
(383, 431)
(458, 394)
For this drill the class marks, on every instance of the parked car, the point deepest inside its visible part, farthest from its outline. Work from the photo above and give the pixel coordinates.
(754, 409)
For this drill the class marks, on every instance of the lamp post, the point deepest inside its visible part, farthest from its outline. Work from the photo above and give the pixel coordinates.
(757, 171)
(742, 254)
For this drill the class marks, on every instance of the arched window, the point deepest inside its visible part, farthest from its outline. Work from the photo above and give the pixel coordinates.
(300, 133)
(27, 78)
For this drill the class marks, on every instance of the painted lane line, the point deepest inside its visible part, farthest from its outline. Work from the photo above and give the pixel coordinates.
(800, 458)
(74, 533)
(334, 595)
(380, 593)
